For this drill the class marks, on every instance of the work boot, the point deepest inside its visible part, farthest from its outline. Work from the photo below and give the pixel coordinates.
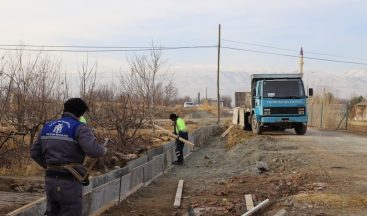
(180, 163)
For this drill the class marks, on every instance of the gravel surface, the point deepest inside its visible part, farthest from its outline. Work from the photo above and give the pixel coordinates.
(321, 173)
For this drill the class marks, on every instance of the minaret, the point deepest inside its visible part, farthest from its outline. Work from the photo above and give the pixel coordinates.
(301, 63)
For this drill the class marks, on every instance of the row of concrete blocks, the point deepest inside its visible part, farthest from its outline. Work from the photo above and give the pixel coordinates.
(110, 188)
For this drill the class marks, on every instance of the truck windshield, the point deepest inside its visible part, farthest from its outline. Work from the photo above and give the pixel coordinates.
(283, 89)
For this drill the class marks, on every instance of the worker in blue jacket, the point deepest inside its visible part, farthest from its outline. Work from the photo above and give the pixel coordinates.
(65, 143)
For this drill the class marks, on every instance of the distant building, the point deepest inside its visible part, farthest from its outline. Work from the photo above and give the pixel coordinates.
(215, 103)
(242, 99)
(360, 111)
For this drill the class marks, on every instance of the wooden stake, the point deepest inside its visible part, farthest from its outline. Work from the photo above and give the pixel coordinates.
(256, 208)
(30, 205)
(174, 136)
(227, 131)
(249, 202)
(177, 202)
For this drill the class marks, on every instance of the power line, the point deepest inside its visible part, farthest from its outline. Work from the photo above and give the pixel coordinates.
(111, 49)
(138, 49)
(292, 50)
(259, 45)
(75, 46)
(294, 56)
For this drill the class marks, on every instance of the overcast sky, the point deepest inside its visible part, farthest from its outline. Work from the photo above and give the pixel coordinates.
(336, 27)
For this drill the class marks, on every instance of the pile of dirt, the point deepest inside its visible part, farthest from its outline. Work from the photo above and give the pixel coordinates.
(237, 136)
(285, 176)
(228, 197)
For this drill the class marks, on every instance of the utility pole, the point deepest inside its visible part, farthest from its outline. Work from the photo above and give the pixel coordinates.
(206, 94)
(218, 96)
(301, 62)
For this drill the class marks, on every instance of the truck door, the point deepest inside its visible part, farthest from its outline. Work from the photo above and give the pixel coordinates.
(258, 98)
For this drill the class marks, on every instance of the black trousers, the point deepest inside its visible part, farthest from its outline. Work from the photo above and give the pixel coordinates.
(180, 146)
(64, 197)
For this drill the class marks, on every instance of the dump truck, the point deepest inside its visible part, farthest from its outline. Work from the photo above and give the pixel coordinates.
(278, 102)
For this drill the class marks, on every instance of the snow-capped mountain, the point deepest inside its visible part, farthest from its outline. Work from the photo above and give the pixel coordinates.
(353, 82)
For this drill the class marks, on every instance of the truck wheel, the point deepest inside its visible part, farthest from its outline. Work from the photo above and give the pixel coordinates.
(256, 128)
(300, 129)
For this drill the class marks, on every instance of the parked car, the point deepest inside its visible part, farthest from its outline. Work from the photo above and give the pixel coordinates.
(189, 104)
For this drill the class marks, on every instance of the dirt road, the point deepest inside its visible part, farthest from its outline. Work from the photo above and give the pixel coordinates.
(321, 173)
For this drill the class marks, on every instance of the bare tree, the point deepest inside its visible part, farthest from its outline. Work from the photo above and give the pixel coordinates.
(126, 107)
(227, 100)
(34, 92)
(88, 81)
(151, 80)
(119, 111)
(170, 93)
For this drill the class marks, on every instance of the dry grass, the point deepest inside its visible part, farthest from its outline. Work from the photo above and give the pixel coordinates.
(332, 115)
(333, 200)
(358, 126)
(209, 108)
(19, 163)
(31, 169)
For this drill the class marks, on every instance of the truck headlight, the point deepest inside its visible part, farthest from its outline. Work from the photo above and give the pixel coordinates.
(301, 111)
(267, 112)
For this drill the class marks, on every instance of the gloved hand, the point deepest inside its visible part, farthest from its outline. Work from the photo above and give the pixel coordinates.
(86, 182)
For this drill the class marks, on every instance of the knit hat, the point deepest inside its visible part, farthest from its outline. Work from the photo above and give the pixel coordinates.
(173, 116)
(75, 106)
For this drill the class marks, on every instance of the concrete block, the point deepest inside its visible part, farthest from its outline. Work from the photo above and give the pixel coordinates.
(137, 162)
(153, 152)
(111, 192)
(137, 178)
(158, 165)
(168, 158)
(87, 202)
(173, 153)
(96, 200)
(125, 186)
(168, 146)
(100, 180)
(148, 172)
(160, 158)
(186, 151)
(192, 139)
(199, 139)
(88, 188)
(101, 196)
(103, 179)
